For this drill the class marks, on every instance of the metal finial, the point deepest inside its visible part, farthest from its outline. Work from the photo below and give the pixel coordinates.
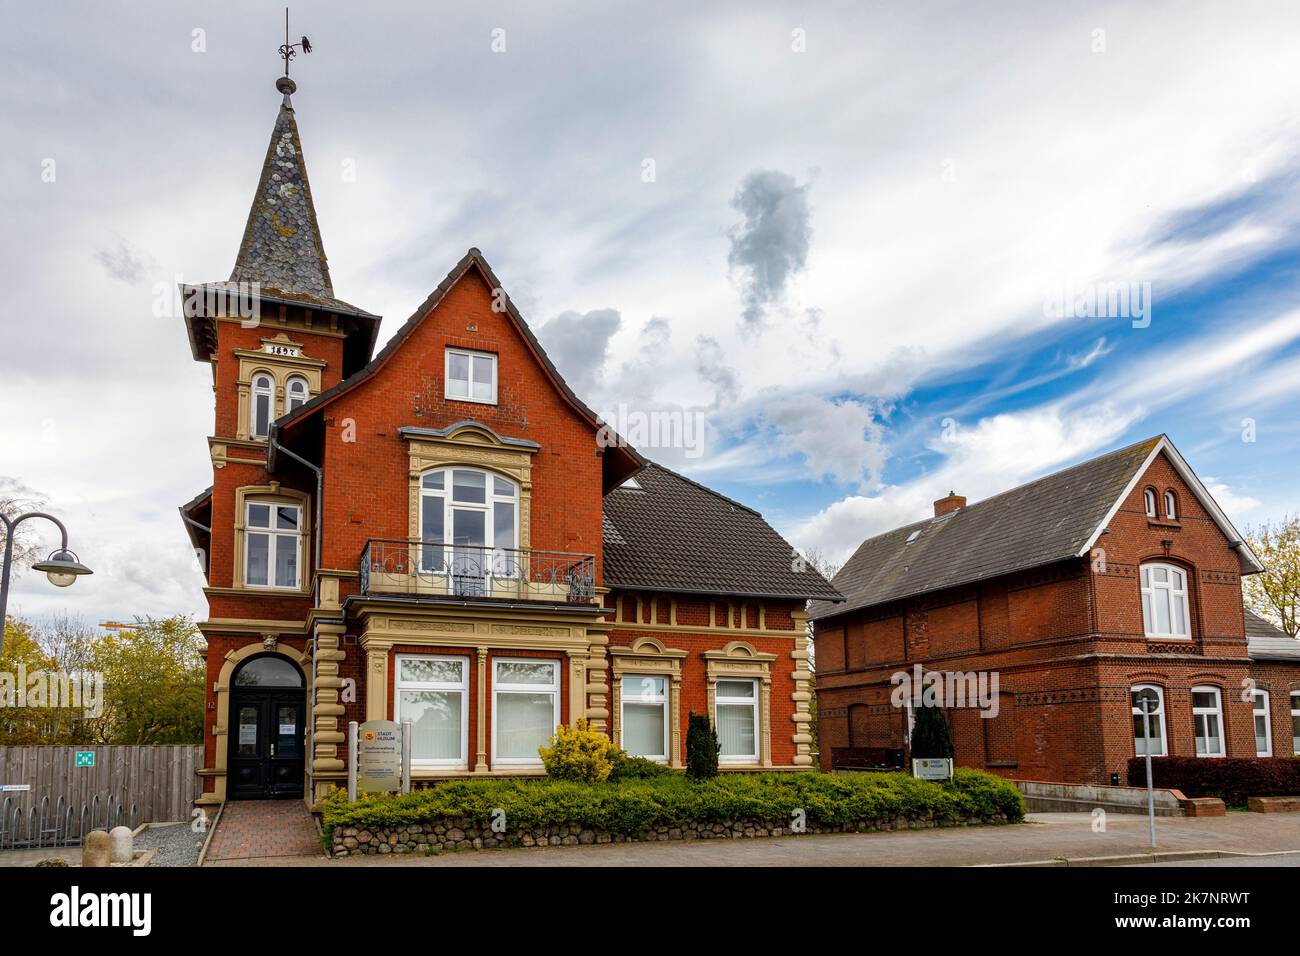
(289, 50)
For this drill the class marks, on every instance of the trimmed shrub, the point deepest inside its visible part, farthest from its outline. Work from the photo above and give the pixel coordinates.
(931, 735)
(1231, 779)
(578, 753)
(702, 748)
(628, 808)
(637, 768)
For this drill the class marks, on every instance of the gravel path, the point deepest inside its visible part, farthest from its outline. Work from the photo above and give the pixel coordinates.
(176, 844)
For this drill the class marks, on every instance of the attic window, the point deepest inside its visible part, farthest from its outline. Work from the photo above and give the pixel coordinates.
(471, 376)
(1149, 502)
(913, 536)
(1171, 506)
(631, 485)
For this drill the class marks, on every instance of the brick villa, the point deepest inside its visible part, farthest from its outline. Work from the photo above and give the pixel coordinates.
(442, 532)
(1086, 591)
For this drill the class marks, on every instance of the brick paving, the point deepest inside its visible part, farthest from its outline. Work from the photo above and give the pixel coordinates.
(251, 830)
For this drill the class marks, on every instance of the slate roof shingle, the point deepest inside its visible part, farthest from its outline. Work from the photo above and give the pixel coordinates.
(1035, 524)
(677, 535)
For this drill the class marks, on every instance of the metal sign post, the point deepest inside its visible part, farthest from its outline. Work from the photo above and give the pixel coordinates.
(352, 761)
(1145, 704)
(406, 756)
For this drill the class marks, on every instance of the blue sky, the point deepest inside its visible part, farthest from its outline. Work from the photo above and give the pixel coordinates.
(831, 233)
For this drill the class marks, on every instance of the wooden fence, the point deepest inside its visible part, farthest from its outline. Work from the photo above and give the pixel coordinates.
(150, 784)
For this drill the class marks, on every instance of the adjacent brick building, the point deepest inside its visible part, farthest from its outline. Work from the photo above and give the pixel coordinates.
(1084, 592)
(445, 534)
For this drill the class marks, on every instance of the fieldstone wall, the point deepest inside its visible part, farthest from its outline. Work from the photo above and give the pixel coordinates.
(463, 834)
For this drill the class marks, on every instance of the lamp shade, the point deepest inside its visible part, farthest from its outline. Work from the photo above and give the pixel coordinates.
(62, 568)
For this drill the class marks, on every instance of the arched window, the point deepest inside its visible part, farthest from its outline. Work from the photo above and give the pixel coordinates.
(1149, 500)
(268, 671)
(1148, 703)
(467, 517)
(1171, 506)
(295, 393)
(1164, 601)
(261, 403)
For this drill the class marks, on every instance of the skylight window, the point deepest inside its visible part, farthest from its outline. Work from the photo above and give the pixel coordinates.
(631, 485)
(913, 536)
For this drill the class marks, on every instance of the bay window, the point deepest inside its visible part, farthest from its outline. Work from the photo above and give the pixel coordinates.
(1263, 725)
(736, 718)
(433, 694)
(1152, 698)
(1164, 601)
(272, 538)
(644, 717)
(525, 710)
(1207, 717)
(471, 376)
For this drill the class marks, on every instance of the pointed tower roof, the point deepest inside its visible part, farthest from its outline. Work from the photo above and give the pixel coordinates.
(282, 248)
(281, 255)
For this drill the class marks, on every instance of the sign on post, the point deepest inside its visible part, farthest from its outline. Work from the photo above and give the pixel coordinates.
(379, 756)
(85, 758)
(932, 768)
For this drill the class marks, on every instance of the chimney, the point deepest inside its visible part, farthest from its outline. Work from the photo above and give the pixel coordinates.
(954, 502)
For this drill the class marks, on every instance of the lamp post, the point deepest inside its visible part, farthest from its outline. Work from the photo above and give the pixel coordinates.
(62, 567)
(1146, 703)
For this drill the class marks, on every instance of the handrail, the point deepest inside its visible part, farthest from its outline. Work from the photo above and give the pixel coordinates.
(435, 568)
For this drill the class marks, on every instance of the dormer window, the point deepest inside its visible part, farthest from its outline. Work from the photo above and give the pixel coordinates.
(262, 401)
(295, 393)
(1149, 501)
(471, 376)
(1164, 601)
(1171, 506)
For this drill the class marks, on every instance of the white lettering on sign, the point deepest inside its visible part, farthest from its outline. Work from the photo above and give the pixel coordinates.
(291, 350)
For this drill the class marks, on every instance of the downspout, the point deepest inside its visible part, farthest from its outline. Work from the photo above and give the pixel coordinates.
(315, 600)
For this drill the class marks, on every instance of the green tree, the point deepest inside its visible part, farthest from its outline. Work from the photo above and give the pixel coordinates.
(154, 681)
(1274, 594)
(22, 662)
(931, 735)
(702, 748)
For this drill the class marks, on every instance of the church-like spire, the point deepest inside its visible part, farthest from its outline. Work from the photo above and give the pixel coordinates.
(282, 248)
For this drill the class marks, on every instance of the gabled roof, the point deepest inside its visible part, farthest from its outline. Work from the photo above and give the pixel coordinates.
(1052, 519)
(1264, 642)
(668, 533)
(620, 460)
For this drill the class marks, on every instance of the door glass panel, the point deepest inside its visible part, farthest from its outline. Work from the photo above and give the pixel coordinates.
(286, 727)
(247, 740)
(431, 558)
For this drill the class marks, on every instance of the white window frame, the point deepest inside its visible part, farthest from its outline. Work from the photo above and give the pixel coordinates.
(399, 685)
(470, 356)
(255, 391)
(1151, 590)
(1216, 712)
(1295, 723)
(1149, 502)
(278, 536)
(498, 688)
(1171, 506)
(499, 566)
(1158, 712)
(734, 701)
(659, 699)
(290, 395)
(1261, 703)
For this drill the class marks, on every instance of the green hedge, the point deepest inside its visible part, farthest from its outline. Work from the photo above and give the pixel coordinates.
(634, 805)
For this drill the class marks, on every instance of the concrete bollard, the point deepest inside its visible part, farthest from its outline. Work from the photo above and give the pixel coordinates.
(95, 849)
(120, 840)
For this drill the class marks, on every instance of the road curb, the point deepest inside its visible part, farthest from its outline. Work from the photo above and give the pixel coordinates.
(1131, 859)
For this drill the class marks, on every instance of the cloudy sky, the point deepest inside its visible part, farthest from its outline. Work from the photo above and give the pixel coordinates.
(856, 242)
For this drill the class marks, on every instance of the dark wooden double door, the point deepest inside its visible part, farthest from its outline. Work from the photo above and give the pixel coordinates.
(266, 744)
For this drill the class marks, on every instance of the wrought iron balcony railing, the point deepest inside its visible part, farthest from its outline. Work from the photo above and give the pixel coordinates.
(447, 569)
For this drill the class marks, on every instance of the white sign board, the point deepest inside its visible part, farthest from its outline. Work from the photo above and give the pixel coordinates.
(379, 756)
(932, 768)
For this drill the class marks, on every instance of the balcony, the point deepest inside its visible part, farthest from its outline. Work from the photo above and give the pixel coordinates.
(439, 569)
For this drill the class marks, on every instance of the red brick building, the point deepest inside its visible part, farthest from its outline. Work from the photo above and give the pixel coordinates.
(1082, 594)
(443, 533)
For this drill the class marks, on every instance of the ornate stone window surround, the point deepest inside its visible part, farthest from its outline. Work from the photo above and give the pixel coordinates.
(281, 368)
(740, 659)
(273, 493)
(648, 656)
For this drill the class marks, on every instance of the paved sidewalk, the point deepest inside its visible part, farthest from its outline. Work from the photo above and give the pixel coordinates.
(1046, 836)
(252, 831)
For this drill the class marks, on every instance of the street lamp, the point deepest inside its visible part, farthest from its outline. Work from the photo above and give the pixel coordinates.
(62, 567)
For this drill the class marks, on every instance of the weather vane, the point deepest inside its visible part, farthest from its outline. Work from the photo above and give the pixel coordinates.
(289, 50)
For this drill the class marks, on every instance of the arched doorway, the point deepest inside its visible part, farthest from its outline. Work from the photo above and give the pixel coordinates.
(267, 711)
